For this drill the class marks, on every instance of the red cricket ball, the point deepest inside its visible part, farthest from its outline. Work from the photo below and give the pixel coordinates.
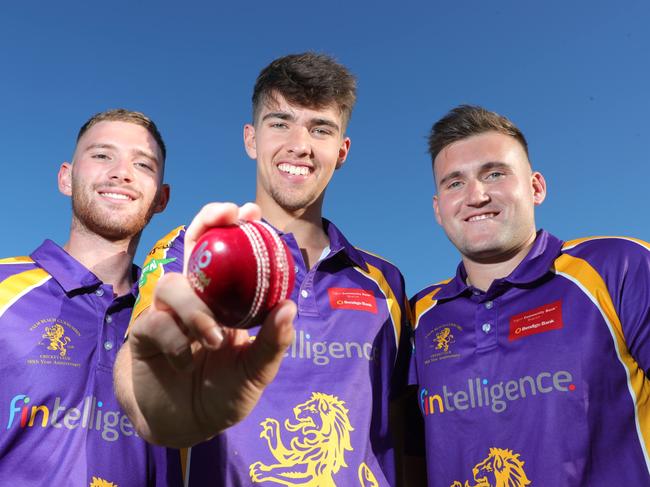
(241, 272)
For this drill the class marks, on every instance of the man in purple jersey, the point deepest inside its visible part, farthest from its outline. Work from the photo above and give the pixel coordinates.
(324, 419)
(531, 362)
(64, 311)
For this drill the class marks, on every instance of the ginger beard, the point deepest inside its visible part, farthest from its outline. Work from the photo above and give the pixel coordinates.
(116, 223)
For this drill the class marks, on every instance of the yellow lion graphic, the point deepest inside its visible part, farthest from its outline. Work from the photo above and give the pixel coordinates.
(57, 341)
(366, 477)
(316, 452)
(501, 468)
(444, 339)
(97, 482)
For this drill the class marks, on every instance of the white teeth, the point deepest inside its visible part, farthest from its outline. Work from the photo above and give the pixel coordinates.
(295, 170)
(116, 196)
(484, 216)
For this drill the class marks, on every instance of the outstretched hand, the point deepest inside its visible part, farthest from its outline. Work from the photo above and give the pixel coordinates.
(181, 376)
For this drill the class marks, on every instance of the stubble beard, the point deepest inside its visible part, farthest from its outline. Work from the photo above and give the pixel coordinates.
(293, 201)
(501, 246)
(88, 217)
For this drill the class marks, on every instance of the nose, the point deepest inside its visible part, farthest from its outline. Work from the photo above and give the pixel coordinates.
(121, 170)
(298, 143)
(477, 194)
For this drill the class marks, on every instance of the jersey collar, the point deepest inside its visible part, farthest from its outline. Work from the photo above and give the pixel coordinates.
(69, 272)
(537, 263)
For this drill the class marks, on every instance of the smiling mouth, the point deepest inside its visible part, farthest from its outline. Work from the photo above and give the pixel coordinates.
(478, 218)
(116, 196)
(294, 170)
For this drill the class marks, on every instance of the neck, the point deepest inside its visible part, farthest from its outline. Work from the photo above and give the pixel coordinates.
(110, 260)
(306, 225)
(481, 273)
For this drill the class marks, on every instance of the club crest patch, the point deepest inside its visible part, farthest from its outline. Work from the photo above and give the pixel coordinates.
(440, 343)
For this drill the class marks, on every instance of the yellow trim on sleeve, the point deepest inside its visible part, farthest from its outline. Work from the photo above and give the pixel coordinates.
(572, 243)
(17, 260)
(591, 283)
(152, 271)
(17, 285)
(424, 304)
(392, 302)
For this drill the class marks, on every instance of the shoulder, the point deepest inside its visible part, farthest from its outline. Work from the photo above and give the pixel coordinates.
(608, 252)
(382, 269)
(174, 238)
(378, 261)
(605, 244)
(18, 276)
(424, 300)
(10, 266)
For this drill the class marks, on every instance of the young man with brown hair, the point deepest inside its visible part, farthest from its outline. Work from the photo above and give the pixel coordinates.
(531, 362)
(64, 311)
(324, 419)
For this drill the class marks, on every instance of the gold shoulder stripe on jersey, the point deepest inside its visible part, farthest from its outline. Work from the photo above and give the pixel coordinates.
(17, 260)
(393, 304)
(580, 272)
(424, 304)
(573, 243)
(17, 285)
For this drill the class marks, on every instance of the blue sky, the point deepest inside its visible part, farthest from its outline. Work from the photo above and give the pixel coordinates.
(574, 76)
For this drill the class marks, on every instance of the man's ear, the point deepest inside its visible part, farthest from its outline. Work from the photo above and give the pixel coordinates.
(436, 209)
(163, 198)
(249, 141)
(65, 179)
(539, 188)
(344, 149)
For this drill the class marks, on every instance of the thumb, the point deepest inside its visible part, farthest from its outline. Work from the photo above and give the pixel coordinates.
(265, 354)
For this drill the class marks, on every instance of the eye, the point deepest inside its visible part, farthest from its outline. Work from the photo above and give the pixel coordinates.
(495, 175)
(100, 155)
(145, 165)
(278, 125)
(454, 185)
(323, 131)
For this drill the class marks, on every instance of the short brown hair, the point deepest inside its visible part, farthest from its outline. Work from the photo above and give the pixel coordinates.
(467, 120)
(123, 115)
(309, 80)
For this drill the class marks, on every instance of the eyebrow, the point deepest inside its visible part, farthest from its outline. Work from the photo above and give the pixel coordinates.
(137, 152)
(487, 166)
(314, 121)
(451, 175)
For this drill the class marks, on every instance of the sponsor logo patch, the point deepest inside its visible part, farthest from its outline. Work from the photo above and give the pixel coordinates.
(350, 298)
(537, 320)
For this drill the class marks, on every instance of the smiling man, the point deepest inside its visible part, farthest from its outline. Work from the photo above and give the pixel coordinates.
(64, 311)
(531, 362)
(324, 419)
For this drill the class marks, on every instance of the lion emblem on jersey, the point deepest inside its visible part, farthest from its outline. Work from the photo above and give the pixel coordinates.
(97, 482)
(501, 468)
(444, 338)
(316, 451)
(57, 341)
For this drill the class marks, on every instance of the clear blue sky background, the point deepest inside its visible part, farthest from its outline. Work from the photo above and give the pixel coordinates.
(574, 75)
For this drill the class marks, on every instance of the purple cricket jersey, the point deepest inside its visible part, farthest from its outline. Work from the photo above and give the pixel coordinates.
(324, 419)
(60, 423)
(540, 380)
